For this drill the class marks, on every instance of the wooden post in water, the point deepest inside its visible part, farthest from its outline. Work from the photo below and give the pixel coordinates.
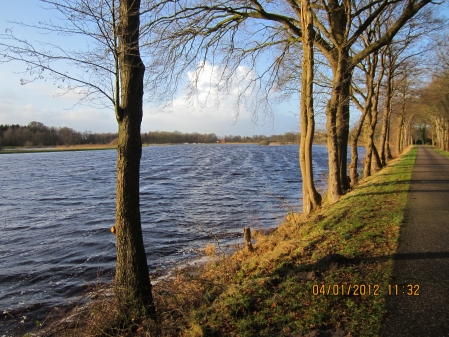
(247, 236)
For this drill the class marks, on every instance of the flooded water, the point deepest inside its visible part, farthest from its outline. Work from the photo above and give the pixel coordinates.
(56, 210)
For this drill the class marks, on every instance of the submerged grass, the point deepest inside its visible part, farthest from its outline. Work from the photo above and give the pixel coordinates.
(293, 283)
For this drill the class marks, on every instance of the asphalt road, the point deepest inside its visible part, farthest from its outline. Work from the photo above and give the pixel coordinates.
(422, 260)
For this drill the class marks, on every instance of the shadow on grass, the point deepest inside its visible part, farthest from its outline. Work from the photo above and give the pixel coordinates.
(387, 183)
(335, 261)
(376, 193)
(403, 257)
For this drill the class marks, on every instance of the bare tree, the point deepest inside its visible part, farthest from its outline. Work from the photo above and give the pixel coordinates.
(107, 71)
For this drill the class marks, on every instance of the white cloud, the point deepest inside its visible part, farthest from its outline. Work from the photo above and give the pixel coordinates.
(212, 108)
(207, 93)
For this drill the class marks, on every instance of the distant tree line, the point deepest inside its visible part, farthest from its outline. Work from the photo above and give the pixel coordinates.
(176, 137)
(38, 134)
(286, 138)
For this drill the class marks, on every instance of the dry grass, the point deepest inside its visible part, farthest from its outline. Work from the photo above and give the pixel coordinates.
(87, 146)
(210, 250)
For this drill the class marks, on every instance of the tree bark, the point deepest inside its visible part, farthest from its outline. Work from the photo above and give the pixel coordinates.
(132, 283)
(387, 143)
(343, 130)
(311, 198)
(437, 136)
(376, 165)
(372, 160)
(387, 110)
(446, 135)
(369, 142)
(401, 135)
(353, 174)
(337, 127)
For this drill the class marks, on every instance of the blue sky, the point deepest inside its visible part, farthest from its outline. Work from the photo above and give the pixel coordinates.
(38, 101)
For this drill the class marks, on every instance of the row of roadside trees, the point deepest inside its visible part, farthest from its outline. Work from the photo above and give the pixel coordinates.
(329, 52)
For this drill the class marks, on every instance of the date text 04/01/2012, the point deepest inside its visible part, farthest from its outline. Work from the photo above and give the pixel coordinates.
(365, 289)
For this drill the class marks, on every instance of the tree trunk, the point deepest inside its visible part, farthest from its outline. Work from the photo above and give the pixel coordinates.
(311, 198)
(405, 141)
(132, 283)
(387, 143)
(446, 136)
(400, 140)
(372, 160)
(353, 175)
(440, 129)
(387, 113)
(370, 108)
(376, 165)
(343, 128)
(337, 127)
(369, 141)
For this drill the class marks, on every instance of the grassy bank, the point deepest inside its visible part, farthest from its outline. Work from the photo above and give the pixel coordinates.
(86, 147)
(327, 272)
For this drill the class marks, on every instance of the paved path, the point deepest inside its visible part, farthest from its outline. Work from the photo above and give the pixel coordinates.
(423, 253)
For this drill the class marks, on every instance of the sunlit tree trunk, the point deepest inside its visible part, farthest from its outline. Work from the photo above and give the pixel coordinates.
(408, 134)
(337, 127)
(401, 135)
(387, 143)
(446, 136)
(311, 198)
(132, 283)
(353, 174)
(387, 110)
(376, 164)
